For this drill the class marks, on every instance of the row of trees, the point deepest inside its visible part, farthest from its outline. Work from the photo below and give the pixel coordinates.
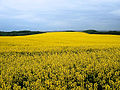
(19, 33)
(102, 32)
(27, 32)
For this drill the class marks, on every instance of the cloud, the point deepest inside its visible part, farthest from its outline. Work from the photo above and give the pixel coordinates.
(115, 12)
(29, 17)
(46, 5)
(29, 5)
(52, 14)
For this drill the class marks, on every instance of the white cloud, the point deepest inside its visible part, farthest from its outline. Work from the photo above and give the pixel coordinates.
(116, 12)
(59, 12)
(28, 5)
(29, 17)
(53, 5)
(46, 5)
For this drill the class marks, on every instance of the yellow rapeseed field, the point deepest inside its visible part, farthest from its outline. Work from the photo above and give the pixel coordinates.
(60, 61)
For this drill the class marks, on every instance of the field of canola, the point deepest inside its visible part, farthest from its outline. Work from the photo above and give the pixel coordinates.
(60, 61)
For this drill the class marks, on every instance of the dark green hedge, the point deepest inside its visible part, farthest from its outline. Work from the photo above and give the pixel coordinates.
(19, 33)
(102, 32)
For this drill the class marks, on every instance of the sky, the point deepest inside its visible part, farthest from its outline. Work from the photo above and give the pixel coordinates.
(49, 15)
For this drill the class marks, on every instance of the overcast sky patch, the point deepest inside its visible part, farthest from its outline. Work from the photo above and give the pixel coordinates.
(59, 14)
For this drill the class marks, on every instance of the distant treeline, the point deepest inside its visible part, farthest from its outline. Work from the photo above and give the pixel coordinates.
(95, 32)
(19, 33)
(102, 32)
(27, 32)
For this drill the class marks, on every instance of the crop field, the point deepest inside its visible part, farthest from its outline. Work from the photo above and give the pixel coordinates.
(60, 61)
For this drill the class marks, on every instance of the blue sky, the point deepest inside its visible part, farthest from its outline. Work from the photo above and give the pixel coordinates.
(59, 14)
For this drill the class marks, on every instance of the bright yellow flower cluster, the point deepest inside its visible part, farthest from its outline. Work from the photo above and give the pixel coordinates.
(60, 61)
